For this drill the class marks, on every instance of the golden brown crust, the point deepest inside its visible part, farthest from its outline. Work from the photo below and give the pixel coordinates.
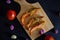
(29, 25)
(23, 17)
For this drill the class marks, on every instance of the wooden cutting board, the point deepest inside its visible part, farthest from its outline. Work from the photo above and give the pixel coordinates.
(25, 6)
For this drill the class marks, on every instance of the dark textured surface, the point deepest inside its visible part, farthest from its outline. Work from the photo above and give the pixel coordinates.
(51, 7)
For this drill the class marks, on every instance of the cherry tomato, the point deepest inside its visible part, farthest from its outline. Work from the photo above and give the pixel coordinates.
(49, 37)
(11, 14)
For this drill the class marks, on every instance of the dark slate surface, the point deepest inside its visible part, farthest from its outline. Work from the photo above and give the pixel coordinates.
(51, 7)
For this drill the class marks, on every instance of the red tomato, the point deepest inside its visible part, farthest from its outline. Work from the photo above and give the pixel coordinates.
(48, 37)
(11, 14)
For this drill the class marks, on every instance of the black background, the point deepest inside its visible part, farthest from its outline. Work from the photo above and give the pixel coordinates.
(51, 7)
